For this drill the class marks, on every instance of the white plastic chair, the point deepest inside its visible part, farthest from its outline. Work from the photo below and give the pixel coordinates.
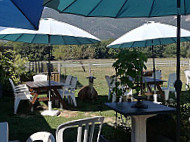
(81, 123)
(170, 87)
(69, 91)
(111, 85)
(68, 80)
(127, 93)
(4, 132)
(41, 136)
(40, 77)
(158, 74)
(187, 75)
(21, 92)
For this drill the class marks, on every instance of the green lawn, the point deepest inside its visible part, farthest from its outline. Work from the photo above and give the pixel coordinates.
(25, 123)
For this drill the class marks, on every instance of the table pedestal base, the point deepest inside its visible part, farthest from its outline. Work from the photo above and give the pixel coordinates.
(50, 112)
(138, 133)
(155, 99)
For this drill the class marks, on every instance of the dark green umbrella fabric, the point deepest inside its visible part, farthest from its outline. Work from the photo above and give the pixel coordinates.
(120, 8)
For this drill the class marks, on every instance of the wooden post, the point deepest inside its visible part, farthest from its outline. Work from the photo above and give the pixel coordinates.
(59, 70)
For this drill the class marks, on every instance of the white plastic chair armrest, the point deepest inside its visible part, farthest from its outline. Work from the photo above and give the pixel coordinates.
(23, 93)
(22, 89)
(21, 85)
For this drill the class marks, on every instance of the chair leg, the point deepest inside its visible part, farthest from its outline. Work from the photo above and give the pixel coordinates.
(69, 99)
(74, 100)
(186, 86)
(109, 93)
(113, 97)
(166, 92)
(17, 101)
(175, 94)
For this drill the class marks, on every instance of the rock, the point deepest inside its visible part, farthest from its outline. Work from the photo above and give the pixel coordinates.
(88, 93)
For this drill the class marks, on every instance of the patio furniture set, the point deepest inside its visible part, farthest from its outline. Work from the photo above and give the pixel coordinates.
(139, 116)
(140, 111)
(31, 91)
(149, 82)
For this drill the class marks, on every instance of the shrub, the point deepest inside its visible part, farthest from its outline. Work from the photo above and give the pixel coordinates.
(11, 66)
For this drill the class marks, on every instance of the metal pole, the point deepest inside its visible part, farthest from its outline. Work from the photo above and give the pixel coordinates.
(154, 68)
(178, 83)
(49, 68)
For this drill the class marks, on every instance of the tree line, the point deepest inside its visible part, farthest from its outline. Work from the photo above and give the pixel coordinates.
(39, 52)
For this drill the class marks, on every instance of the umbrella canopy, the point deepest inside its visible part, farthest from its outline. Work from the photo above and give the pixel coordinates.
(50, 32)
(20, 13)
(119, 8)
(149, 34)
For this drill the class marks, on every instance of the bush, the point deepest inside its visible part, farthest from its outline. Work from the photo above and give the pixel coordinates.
(11, 66)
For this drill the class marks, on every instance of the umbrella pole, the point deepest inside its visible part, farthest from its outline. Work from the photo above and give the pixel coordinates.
(49, 75)
(154, 72)
(154, 69)
(178, 83)
(50, 112)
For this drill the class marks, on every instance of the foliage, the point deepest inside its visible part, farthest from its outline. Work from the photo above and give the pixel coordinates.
(11, 66)
(98, 51)
(34, 52)
(129, 64)
(39, 52)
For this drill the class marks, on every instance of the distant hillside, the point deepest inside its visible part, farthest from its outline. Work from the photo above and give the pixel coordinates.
(106, 28)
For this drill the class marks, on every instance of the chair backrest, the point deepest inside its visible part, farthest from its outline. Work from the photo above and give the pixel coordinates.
(40, 77)
(68, 80)
(110, 81)
(187, 74)
(81, 123)
(4, 132)
(41, 136)
(171, 80)
(73, 82)
(12, 84)
(158, 74)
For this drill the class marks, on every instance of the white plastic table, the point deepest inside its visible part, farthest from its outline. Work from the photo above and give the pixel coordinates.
(4, 132)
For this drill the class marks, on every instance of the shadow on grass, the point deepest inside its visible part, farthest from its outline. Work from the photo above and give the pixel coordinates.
(161, 125)
(90, 106)
(112, 134)
(24, 123)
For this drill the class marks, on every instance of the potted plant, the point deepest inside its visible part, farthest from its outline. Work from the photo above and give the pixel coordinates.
(129, 66)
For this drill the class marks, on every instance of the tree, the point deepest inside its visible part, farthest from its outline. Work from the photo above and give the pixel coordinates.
(129, 65)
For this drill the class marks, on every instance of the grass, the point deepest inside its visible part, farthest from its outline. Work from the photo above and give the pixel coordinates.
(22, 125)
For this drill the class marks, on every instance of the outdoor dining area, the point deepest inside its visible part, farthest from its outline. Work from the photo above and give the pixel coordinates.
(128, 101)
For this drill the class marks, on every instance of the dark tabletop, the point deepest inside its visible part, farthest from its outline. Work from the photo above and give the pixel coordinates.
(126, 109)
(150, 80)
(38, 84)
